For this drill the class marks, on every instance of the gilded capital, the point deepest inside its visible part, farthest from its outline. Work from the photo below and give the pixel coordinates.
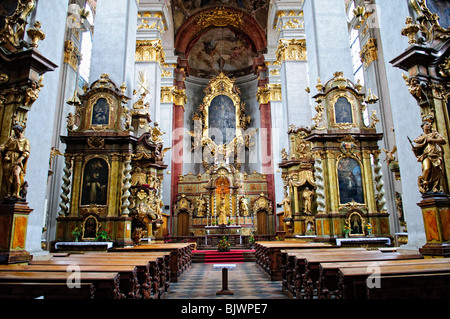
(291, 50)
(150, 50)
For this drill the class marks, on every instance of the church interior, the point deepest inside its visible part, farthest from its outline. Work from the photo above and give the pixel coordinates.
(308, 137)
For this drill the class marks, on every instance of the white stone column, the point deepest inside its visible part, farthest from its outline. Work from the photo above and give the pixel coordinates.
(392, 16)
(52, 15)
(327, 40)
(114, 42)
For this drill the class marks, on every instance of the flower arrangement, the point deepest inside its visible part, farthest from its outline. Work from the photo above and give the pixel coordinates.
(347, 230)
(277, 238)
(76, 233)
(223, 244)
(102, 234)
(369, 228)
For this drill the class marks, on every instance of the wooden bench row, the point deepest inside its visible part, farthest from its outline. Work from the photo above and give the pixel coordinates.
(109, 275)
(268, 255)
(355, 273)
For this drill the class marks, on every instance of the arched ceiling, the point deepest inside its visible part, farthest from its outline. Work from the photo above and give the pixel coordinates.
(216, 39)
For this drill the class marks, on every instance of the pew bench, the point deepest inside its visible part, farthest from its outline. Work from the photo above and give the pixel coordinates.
(145, 270)
(129, 284)
(306, 266)
(154, 284)
(102, 285)
(288, 257)
(180, 255)
(425, 281)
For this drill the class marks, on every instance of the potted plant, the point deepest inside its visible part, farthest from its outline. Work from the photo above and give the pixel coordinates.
(223, 244)
(251, 240)
(347, 230)
(102, 234)
(369, 229)
(76, 233)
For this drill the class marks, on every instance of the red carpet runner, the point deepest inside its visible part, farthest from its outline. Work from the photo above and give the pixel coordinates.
(215, 257)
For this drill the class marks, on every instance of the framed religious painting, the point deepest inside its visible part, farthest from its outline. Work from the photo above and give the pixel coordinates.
(342, 111)
(350, 181)
(100, 112)
(95, 182)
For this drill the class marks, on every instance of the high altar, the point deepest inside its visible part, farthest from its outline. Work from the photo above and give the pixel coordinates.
(222, 200)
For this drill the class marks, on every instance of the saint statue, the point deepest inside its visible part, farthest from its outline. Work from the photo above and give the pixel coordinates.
(156, 133)
(243, 206)
(201, 206)
(307, 200)
(222, 211)
(428, 151)
(287, 207)
(14, 154)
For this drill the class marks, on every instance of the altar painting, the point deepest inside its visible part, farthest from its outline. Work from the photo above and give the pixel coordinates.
(350, 181)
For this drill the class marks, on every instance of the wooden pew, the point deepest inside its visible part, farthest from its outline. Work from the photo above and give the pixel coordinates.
(101, 285)
(307, 266)
(425, 281)
(268, 255)
(180, 255)
(129, 284)
(328, 278)
(164, 264)
(288, 258)
(154, 278)
(144, 268)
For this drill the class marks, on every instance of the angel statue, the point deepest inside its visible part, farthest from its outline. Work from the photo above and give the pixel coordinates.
(428, 150)
(390, 157)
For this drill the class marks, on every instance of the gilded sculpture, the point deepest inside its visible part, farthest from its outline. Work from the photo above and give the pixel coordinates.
(243, 206)
(287, 207)
(428, 150)
(15, 152)
(307, 196)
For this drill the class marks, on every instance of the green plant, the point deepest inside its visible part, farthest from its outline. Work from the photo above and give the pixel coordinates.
(76, 233)
(223, 244)
(102, 234)
(251, 239)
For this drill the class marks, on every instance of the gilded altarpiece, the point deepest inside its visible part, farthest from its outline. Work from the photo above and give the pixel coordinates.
(114, 168)
(222, 200)
(299, 201)
(347, 170)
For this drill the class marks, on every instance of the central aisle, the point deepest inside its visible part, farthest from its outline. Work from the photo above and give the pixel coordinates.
(202, 281)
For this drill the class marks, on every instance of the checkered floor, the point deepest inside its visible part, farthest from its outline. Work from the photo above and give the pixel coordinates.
(247, 281)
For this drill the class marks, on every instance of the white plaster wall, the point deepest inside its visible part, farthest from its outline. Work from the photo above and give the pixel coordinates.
(52, 15)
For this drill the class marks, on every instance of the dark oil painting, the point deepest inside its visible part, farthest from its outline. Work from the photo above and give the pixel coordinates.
(350, 181)
(95, 182)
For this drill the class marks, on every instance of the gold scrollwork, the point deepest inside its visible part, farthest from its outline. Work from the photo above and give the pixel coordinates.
(220, 17)
(369, 52)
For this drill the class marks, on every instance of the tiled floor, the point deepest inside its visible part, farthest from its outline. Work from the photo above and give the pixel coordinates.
(247, 281)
